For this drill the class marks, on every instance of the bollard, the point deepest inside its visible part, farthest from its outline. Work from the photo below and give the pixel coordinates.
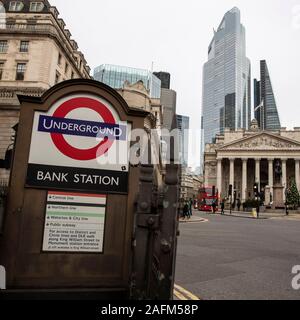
(254, 213)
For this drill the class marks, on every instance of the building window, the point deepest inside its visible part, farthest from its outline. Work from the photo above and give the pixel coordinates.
(66, 68)
(24, 45)
(57, 77)
(36, 6)
(59, 59)
(16, 6)
(21, 68)
(3, 46)
(1, 70)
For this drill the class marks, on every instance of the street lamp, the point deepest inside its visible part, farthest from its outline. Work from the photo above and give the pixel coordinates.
(230, 196)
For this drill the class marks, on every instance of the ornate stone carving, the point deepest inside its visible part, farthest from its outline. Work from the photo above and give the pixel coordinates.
(211, 168)
(264, 142)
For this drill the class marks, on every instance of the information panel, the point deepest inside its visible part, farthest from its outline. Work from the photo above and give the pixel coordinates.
(75, 222)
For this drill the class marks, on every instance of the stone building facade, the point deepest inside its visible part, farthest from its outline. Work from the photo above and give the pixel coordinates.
(197, 183)
(190, 183)
(245, 158)
(186, 185)
(36, 52)
(169, 102)
(138, 96)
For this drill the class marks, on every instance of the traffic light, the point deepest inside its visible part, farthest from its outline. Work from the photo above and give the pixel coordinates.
(230, 190)
(255, 189)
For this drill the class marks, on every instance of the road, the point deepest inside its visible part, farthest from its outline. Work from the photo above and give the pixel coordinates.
(237, 258)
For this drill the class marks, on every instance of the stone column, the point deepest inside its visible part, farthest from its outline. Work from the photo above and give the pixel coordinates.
(244, 180)
(219, 176)
(271, 176)
(284, 178)
(297, 173)
(231, 173)
(257, 172)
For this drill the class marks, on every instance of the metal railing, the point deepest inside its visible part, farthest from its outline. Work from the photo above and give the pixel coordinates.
(29, 27)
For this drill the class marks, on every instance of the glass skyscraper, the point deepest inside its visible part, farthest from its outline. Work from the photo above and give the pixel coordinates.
(265, 107)
(115, 76)
(226, 80)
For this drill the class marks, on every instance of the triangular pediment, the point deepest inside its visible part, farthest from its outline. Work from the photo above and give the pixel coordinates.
(262, 141)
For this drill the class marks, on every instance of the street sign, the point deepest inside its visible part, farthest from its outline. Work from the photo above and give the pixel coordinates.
(74, 222)
(79, 144)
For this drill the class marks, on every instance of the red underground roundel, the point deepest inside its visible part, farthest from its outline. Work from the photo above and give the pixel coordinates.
(83, 154)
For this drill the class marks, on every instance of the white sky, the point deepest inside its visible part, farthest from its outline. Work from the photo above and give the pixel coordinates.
(175, 35)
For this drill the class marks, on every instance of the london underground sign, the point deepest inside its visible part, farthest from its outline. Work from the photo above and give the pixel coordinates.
(58, 125)
(79, 144)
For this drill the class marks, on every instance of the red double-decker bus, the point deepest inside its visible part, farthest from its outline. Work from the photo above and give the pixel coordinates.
(206, 199)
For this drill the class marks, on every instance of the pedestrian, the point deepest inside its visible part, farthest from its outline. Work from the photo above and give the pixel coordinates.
(239, 204)
(188, 208)
(286, 208)
(186, 211)
(181, 214)
(223, 207)
(233, 205)
(191, 207)
(195, 204)
(214, 206)
(257, 209)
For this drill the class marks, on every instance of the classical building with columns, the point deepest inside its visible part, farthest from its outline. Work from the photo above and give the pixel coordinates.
(243, 158)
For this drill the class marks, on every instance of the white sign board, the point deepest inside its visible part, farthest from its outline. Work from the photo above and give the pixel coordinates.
(74, 222)
(2, 278)
(79, 144)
